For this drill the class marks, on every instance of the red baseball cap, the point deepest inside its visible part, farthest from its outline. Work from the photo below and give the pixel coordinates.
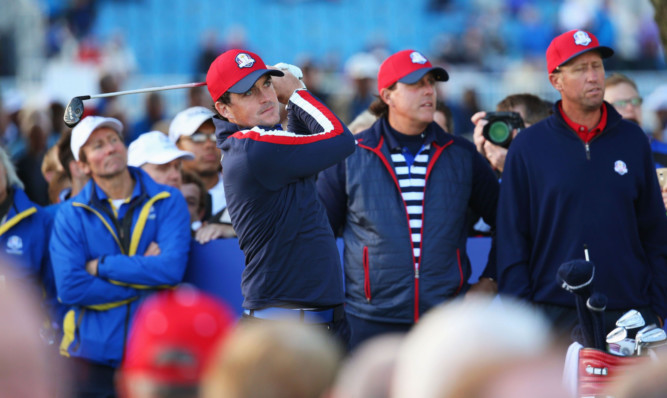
(407, 66)
(572, 44)
(236, 71)
(174, 335)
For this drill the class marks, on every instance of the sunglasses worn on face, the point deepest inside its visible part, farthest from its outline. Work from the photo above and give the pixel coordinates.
(200, 137)
(636, 101)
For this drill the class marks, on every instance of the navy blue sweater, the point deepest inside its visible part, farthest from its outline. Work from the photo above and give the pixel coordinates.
(269, 176)
(558, 194)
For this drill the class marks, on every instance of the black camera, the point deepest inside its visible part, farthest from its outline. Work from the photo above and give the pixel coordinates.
(499, 128)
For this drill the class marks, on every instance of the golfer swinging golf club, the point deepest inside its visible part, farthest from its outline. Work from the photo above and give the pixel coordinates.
(292, 262)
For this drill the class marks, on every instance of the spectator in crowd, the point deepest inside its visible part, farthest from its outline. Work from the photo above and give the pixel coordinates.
(362, 69)
(195, 195)
(24, 235)
(405, 248)
(456, 343)
(28, 368)
(171, 342)
(197, 96)
(120, 239)
(50, 164)
(621, 92)
(582, 177)
(54, 174)
(443, 116)
(72, 169)
(292, 261)
(273, 360)
(35, 132)
(154, 113)
(530, 107)
(369, 370)
(155, 154)
(192, 130)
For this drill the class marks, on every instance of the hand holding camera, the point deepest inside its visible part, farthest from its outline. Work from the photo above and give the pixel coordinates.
(500, 127)
(493, 134)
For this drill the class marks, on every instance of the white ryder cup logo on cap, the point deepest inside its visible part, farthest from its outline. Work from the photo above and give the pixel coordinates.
(244, 60)
(581, 38)
(620, 167)
(417, 58)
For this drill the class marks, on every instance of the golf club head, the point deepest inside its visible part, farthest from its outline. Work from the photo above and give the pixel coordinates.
(576, 276)
(632, 319)
(74, 111)
(616, 335)
(649, 334)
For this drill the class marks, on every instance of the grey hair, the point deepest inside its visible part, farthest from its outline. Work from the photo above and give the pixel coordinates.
(10, 170)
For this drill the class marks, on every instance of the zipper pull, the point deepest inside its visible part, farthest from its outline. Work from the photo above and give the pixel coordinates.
(588, 152)
(416, 273)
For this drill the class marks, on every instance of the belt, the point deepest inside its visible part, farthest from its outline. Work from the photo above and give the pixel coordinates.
(298, 314)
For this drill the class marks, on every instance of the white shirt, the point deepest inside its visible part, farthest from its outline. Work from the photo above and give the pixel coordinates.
(218, 201)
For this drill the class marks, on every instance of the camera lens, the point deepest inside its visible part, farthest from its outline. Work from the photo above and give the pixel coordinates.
(499, 132)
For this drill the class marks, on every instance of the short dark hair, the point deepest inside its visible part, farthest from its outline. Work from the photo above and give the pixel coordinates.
(536, 109)
(225, 99)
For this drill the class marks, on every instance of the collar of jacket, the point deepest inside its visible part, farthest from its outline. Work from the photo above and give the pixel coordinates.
(613, 117)
(371, 137)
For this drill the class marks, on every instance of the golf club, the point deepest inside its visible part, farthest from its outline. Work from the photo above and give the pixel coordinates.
(650, 334)
(576, 277)
(617, 335)
(631, 321)
(74, 110)
(596, 304)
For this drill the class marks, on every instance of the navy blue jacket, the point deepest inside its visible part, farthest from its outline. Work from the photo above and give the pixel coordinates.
(364, 202)
(269, 176)
(558, 194)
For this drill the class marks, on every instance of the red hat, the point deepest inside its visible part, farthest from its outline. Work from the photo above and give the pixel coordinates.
(174, 334)
(236, 71)
(407, 66)
(572, 44)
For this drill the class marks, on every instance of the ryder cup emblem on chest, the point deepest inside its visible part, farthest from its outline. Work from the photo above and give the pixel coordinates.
(581, 38)
(417, 58)
(244, 60)
(620, 167)
(15, 245)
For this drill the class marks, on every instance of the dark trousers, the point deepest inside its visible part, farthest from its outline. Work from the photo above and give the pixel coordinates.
(92, 380)
(364, 329)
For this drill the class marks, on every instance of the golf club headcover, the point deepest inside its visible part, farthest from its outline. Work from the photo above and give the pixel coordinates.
(576, 275)
(597, 302)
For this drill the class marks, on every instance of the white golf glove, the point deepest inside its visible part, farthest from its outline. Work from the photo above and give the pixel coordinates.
(293, 69)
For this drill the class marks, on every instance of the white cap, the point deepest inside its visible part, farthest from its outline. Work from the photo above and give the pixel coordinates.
(154, 147)
(188, 121)
(82, 131)
(657, 100)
